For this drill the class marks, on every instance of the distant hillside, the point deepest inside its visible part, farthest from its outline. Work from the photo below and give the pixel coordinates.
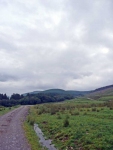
(100, 92)
(61, 92)
(34, 92)
(104, 88)
(54, 91)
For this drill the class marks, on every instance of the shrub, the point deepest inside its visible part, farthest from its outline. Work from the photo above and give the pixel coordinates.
(39, 112)
(66, 123)
(98, 110)
(76, 113)
(31, 120)
(81, 109)
(59, 116)
(85, 113)
(102, 108)
(53, 111)
(67, 116)
(93, 109)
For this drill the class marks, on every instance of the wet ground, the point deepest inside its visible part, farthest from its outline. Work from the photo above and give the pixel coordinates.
(43, 141)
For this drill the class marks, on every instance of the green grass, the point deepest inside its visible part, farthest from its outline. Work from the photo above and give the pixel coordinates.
(106, 98)
(4, 110)
(89, 127)
(83, 101)
(31, 136)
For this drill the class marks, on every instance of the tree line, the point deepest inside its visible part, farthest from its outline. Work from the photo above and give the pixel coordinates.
(32, 99)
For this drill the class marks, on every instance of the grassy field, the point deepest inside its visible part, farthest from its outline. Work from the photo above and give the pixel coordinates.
(77, 124)
(105, 98)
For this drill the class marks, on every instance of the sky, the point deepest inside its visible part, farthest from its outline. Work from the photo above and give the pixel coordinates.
(65, 44)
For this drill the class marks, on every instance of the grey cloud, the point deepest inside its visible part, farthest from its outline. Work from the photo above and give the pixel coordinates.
(6, 77)
(55, 44)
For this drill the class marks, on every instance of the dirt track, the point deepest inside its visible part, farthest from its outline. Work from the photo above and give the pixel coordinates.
(11, 132)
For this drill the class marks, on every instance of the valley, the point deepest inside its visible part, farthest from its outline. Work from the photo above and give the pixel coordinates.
(84, 122)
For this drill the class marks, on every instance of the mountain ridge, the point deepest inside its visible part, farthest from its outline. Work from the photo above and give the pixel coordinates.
(101, 90)
(59, 91)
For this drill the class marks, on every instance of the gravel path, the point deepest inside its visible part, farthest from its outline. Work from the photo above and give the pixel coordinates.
(11, 132)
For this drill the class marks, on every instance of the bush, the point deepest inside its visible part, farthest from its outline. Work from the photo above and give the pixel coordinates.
(93, 109)
(98, 110)
(31, 120)
(59, 117)
(66, 123)
(76, 113)
(102, 108)
(53, 111)
(85, 113)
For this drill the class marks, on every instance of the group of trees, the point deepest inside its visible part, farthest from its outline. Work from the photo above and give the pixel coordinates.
(3, 96)
(10, 101)
(32, 99)
(16, 96)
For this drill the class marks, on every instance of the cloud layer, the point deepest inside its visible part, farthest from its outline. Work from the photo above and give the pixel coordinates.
(55, 44)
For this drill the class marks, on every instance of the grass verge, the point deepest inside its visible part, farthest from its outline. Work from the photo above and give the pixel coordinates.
(31, 136)
(4, 110)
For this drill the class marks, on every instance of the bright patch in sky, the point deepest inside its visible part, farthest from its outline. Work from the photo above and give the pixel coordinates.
(79, 31)
(105, 50)
(63, 46)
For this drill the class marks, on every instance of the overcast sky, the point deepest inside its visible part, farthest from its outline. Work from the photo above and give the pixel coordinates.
(65, 44)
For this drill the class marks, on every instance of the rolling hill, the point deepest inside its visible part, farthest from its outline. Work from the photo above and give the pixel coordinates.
(61, 92)
(94, 94)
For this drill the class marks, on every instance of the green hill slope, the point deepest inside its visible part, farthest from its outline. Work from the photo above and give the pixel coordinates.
(103, 93)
